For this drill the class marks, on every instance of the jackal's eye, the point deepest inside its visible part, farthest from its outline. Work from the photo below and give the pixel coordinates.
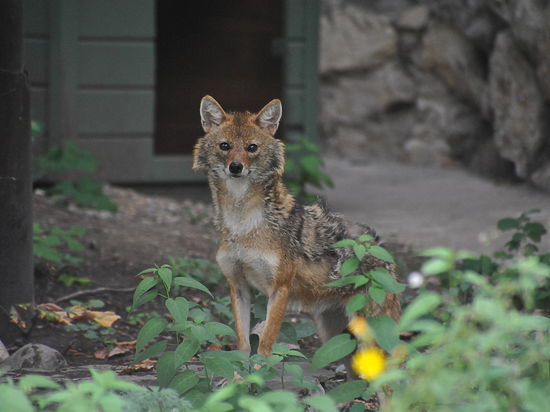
(252, 148)
(225, 146)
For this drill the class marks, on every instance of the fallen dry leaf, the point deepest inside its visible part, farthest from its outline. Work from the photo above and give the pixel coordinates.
(102, 353)
(146, 365)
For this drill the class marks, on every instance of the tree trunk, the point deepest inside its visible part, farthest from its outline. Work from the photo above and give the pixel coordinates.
(16, 264)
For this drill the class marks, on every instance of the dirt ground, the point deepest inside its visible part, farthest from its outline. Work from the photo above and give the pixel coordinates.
(145, 231)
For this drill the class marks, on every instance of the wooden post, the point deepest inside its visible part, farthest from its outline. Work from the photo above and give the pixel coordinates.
(16, 264)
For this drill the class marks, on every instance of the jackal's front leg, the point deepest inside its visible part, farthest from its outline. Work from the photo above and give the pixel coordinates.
(240, 304)
(276, 308)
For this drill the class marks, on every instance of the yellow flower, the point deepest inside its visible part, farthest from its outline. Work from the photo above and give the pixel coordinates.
(369, 363)
(359, 327)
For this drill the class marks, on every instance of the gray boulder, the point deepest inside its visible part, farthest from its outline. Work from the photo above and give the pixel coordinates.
(35, 356)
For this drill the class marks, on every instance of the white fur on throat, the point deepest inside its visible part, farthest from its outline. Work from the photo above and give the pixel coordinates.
(237, 187)
(238, 219)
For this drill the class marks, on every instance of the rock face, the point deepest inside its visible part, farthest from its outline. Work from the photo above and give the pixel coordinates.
(35, 356)
(352, 38)
(439, 82)
(517, 103)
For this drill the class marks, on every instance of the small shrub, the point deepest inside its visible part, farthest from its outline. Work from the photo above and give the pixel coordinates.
(82, 189)
(484, 350)
(304, 167)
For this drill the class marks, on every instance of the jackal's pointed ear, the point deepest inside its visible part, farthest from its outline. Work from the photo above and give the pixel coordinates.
(268, 118)
(212, 114)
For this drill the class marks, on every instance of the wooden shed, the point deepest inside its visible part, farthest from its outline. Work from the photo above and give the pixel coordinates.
(123, 78)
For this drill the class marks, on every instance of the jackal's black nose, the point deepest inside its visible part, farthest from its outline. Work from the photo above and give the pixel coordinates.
(236, 168)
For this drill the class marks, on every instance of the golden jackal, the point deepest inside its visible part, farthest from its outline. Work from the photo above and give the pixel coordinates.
(268, 240)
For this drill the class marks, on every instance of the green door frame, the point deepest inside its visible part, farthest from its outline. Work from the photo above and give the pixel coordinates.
(133, 160)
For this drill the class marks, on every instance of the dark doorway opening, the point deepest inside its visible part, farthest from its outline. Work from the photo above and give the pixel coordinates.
(228, 49)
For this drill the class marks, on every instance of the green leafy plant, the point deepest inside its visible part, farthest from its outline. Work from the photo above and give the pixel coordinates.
(47, 244)
(191, 327)
(82, 189)
(304, 167)
(485, 353)
(379, 280)
(39, 393)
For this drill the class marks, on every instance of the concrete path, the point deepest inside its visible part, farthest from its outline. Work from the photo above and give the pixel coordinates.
(426, 207)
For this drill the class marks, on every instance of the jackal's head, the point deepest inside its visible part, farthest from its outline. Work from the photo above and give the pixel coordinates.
(239, 145)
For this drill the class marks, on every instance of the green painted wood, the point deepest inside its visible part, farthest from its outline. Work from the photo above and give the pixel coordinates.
(63, 69)
(127, 160)
(117, 19)
(116, 64)
(36, 18)
(115, 112)
(301, 68)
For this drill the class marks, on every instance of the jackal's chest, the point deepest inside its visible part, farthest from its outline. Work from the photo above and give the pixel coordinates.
(257, 267)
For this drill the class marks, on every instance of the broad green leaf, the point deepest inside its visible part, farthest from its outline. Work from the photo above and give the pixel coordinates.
(436, 266)
(146, 297)
(230, 355)
(386, 280)
(365, 238)
(344, 243)
(347, 391)
(252, 404)
(166, 276)
(334, 349)
(14, 399)
(359, 251)
(421, 306)
(218, 328)
(29, 382)
(148, 270)
(184, 381)
(200, 333)
(438, 252)
(151, 351)
(534, 231)
(178, 308)
(166, 369)
(191, 283)
(186, 350)
(507, 224)
(377, 294)
(357, 280)
(296, 353)
(350, 265)
(357, 302)
(295, 371)
(218, 367)
(279, 397)
(380, 253)
(149, 331)
(144, 286)
(322, 403)
(385, 332)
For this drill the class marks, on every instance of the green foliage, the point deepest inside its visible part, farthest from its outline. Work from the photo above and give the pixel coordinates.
(481, 344)
(47, 245)
(304, 167)
(101, 393)
(194, 327)
(379, 280)
(82, 190)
